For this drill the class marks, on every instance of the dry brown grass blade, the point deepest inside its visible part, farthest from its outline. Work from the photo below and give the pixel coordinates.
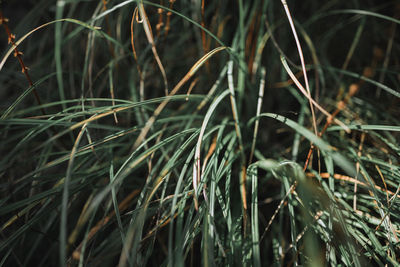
(353, 88)
(100, 224)
(303, 66)
(349, 179)
(169, 14)
(160, 23)
(150, 38)
(360, 148)
(158, 110)
(141, 78)
(287, 83)
(251, 42)
(135, 17)
(192, 85)
(298, 84)
(280, 205)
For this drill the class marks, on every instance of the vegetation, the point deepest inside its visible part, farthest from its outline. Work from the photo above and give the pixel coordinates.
(187, 133)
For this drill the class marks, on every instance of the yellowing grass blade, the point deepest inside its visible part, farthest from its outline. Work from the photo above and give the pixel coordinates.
(149, 35)
(188, 75)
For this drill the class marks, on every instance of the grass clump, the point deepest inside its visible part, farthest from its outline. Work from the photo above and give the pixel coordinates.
(186, 133)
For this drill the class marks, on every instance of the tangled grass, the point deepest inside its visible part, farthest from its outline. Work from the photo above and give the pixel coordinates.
(187, 133)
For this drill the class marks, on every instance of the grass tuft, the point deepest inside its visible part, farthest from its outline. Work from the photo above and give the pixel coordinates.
(188, 133)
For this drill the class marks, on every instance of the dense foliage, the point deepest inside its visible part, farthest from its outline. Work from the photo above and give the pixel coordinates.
(187, 133)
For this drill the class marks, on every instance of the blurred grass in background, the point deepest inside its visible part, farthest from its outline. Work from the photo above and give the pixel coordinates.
(185, 133)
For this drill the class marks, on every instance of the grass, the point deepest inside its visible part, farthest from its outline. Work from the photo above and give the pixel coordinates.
(187, 133)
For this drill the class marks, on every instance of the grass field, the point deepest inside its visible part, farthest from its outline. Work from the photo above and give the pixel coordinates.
(199, 133)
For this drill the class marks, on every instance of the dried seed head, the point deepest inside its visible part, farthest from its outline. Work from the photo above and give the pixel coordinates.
(353, 89)
(17, 53)
(11, 38)
(3, 20)
(159, 25)
(24, 69)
